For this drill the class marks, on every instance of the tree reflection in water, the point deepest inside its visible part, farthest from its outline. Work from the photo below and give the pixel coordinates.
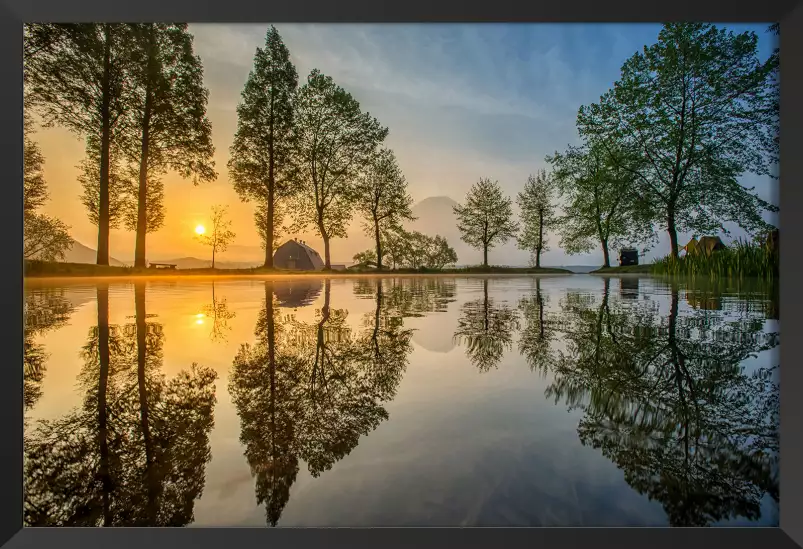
(135, 452)
(46, 310)
(669, 401)
(486, 329)
(309, 391)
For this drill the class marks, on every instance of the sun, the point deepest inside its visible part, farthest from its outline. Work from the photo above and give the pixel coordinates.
(200, 229)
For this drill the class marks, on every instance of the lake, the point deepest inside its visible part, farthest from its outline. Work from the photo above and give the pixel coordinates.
(421, 401)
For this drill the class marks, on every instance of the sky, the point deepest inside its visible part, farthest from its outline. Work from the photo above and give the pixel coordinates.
(462, 102)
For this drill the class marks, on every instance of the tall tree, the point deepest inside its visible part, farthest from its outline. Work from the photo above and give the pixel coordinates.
(537, 215)
(270, 231)
(603, 203)
(220, 235)
(333, 141)
(79, 78)
(486, 219)
(260, 160)
(169, 128)
(698, 106)
(382, 198)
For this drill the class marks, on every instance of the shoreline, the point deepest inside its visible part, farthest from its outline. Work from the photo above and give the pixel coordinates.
(61, 271)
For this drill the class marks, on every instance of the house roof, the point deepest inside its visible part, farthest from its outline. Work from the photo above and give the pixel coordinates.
(313, 255)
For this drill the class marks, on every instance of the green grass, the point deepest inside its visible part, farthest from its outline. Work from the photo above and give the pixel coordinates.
(47, 269)
(741, 260)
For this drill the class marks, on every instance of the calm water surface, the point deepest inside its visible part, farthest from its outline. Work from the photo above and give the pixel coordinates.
(562, 401)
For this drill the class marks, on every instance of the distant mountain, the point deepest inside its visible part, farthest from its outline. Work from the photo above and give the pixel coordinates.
(434, 216)
(83, 254)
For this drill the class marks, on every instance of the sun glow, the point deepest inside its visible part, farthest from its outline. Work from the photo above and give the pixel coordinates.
(200, 229)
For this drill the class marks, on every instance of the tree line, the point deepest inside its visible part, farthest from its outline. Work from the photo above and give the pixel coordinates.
(663, 149)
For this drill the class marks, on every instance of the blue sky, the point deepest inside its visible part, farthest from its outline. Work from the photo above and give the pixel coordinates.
(461, 101)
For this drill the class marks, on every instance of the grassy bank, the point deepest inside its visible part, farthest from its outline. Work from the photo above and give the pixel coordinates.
(739, 261)
(46, 269)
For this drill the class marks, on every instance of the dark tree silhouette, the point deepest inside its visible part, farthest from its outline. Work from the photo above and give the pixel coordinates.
(219, 313)
(668, 400)
(78, 77)
(45, 310)
(168, 126)
(486, 329)
(310, 391)
(135, 452)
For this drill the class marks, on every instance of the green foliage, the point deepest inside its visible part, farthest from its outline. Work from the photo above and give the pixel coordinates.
(537, 213)
(740, 260)
(486, 218)
(260, 165)
(415, 250)
(697, 111)
(602, 203)
(382, 198)
(365, 258)
(333, 141)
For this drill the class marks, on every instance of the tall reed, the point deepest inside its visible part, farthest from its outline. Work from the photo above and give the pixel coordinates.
(740, 260)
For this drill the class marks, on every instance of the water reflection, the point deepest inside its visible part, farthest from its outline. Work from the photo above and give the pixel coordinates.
(669, 401)
(486, 329)
(135, 452)
(539, 332)
(45, 310)
(663, 382)
(309, 391)
(219, 315)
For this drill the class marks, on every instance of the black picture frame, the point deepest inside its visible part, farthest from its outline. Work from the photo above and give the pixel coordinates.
(14, 12)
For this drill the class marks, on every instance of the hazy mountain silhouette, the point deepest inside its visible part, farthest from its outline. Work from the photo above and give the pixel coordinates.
(84, 254)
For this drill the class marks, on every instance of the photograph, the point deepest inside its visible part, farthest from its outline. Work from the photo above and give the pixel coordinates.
(401, 275)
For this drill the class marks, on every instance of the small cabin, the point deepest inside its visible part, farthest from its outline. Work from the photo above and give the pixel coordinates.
(628, 256)
(296, 255)
(297, 293)
(706, 245)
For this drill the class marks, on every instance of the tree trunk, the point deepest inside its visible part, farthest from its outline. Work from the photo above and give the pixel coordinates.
(378, 245)
(327, 259)
(485, 255)
(605, 253)
(105, 147)
(103, 384)
(271, 192)
(144, 410)
(671, 228)
(540, 239)
(142, 206)
(213, 257)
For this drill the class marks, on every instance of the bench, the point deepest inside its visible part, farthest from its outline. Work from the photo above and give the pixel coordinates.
(162, 266)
